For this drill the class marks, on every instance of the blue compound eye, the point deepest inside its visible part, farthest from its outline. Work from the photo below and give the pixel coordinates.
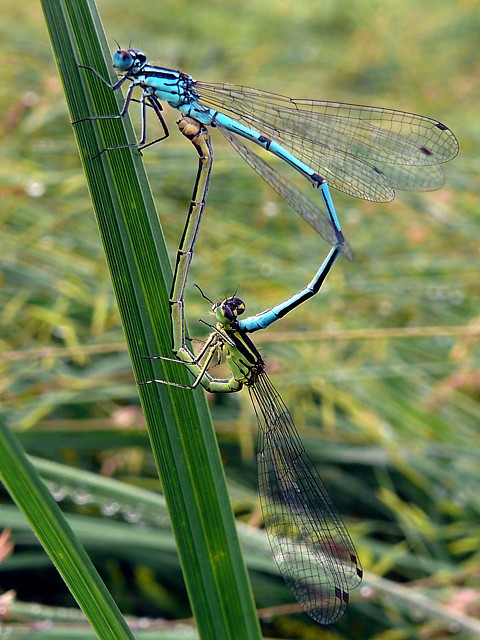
(123, 60)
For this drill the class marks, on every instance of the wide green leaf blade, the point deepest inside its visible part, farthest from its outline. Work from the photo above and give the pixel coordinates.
(31, 495)
(179, 426)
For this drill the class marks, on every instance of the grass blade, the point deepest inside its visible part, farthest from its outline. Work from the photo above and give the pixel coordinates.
(29, 492)
(179, 426)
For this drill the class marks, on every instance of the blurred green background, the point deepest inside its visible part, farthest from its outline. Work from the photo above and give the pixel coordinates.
(380, 371)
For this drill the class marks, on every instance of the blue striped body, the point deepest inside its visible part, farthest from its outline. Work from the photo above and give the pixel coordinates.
(178, 90)
(364, 151)
(168, 85)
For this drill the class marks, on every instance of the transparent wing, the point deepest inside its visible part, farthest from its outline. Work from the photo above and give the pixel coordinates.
(314, 215)
(309, 540)
(364, 151)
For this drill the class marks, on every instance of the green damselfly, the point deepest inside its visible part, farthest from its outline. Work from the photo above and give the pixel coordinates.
(310, 543)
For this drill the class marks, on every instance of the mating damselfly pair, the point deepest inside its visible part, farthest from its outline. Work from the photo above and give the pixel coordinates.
(367, 152)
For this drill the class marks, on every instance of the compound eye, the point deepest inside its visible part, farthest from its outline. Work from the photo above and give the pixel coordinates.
(122, 60)
(235, 308)
(236, 305)
(239, 306)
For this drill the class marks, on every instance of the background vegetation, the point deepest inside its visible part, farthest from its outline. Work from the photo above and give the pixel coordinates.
(380, 371)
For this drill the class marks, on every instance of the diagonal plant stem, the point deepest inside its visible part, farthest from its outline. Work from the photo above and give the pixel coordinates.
(178, 421)
(42, 512)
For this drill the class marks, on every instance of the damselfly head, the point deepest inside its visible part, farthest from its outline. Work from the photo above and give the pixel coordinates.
(227, 311)
(129, 60)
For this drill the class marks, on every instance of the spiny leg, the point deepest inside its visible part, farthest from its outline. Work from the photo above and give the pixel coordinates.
(157, 107)
(152, 102)
(200, 138)
(197, 364)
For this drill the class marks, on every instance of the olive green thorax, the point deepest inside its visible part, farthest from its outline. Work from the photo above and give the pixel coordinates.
(243, 358)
